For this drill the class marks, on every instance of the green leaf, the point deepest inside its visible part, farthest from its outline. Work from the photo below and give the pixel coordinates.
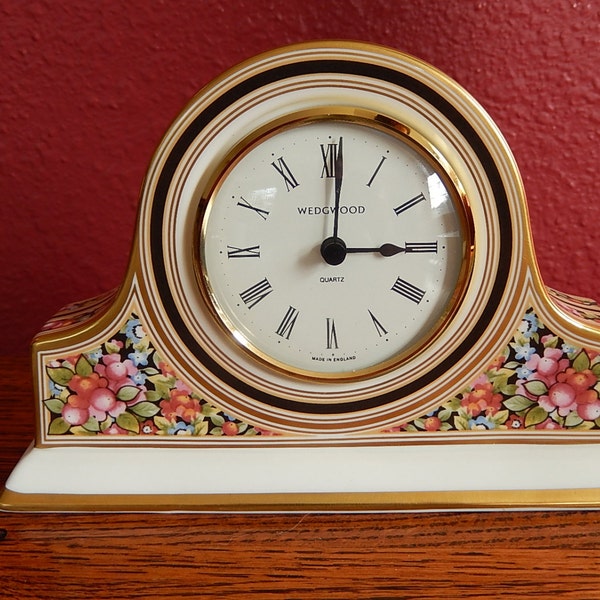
(80, 430)
(128, 422)
(54, 405)
(535, 415)
(162, 423)
(596, 369)
(461, 423)
(503, 372)
(201, 428)
(145, 409)
(162, 385)
(153, 396)
(83, 368)
(453, 404)
(128, 392)
(513, 365)
(445, 414)
(581, 362)
(60, 375)
(509, 389)
(58, 427)
(209, 410)
(217, 420)
(112, 348)
(584, 426)
(518, 403)
(92, 425)
(216, 431)
(551, 342)
(535, 387)
(500, 417)
(573, 419)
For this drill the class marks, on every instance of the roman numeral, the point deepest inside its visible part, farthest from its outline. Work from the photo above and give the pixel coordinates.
(408, 290)
(261, 212)
(255, 293)
(332, 342)
(381, 330)
(376, 171)
(329, 154)
(250, 252)
(284, 171)
(409, 204)
(287, 323)
(421, 247)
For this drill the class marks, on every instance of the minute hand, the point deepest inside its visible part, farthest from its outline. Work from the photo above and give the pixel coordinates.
(339, 175)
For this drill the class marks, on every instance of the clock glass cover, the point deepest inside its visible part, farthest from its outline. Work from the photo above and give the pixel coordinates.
(333, 244)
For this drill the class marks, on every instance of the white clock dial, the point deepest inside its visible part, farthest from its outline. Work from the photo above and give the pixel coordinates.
(332, 247)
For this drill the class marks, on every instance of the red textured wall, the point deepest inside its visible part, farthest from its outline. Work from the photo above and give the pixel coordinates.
(87, 90)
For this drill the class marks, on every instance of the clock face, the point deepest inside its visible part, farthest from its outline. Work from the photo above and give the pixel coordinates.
(333, 245)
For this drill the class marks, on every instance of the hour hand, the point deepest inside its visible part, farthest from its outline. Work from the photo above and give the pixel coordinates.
(384, 250)
(392, 249)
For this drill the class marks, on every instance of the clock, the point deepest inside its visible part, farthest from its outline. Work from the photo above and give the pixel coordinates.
(333, 298)
(334, 244)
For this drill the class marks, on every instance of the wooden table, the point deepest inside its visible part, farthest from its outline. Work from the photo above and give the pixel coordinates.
(461, 555)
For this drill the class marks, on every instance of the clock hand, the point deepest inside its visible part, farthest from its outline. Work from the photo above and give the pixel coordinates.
(384, 250)
(333, 249)
(339, 174)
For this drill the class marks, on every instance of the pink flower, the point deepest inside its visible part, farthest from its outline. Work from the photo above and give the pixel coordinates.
(548, 424)
(548, 365)
(73, 414)
(79, 405)
(481, 400)
(165, 369)
(116, 371)
(180, 405)
(114, 429)
(103, 401)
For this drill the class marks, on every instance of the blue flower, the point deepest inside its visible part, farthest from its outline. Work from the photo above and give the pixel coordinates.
(139, 378)
(181, 428)
(481, 421)
(529, 325)
(55, 389)
(134, 330)
(95, 355)
(523, 372)
(524, 352)
(139, 358)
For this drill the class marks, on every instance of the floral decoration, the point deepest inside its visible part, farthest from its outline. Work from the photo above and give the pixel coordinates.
(539, 382)
(124, 387)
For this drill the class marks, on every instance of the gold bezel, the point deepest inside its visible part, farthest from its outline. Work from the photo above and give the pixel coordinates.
(361, 117)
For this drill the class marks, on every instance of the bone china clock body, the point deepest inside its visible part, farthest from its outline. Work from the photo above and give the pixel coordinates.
(332, 303)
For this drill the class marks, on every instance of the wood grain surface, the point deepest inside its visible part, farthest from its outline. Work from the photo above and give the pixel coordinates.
(470, 555)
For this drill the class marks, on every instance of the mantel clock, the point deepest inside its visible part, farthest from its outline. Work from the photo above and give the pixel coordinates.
(332, 303)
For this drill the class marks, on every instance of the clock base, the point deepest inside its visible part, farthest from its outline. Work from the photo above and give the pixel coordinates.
(362, 479)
